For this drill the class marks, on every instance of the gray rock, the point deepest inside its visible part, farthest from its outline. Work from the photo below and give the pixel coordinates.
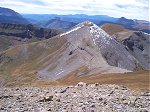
(83, 98)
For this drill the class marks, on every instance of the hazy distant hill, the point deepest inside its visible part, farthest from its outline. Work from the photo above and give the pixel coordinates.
(132, 24)
(10, 16)
(76, 18)
(59, 24)
(42, 19)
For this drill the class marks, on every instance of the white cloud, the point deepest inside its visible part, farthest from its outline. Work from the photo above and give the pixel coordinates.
(138, 9)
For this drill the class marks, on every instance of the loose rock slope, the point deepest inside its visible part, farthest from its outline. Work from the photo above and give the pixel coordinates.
(79, 98)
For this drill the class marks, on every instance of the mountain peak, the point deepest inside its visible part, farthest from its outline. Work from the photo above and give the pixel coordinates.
(90, 26)
(91, 38)
(86, 23)
(81, 25)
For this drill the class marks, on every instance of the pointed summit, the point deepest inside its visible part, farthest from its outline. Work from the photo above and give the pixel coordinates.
(88, 46)
(90, 34)
(86, 23)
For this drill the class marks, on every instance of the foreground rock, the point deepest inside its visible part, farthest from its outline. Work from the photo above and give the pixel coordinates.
(79, 98)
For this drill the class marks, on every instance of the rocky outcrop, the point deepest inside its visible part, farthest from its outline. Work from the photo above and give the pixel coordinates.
(80, 98)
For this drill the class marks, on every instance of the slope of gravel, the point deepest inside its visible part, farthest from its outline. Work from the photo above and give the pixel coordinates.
(90, 47)
(79, 98)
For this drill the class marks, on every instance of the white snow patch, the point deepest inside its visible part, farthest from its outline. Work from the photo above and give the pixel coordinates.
(70, 31)
(99, 35)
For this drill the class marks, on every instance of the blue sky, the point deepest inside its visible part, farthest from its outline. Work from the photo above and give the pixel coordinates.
(134, 9)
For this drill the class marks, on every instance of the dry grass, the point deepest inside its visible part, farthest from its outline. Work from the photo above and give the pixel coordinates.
(135, 80)
(119, 31)
(22, 60)
(112, 28)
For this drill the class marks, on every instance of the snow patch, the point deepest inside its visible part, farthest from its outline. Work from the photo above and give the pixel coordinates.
(70, 31)
(99, 35)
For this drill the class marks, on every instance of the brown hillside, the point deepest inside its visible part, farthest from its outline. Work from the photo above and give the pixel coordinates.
(112, 28)
(134, 80)
(117, 30)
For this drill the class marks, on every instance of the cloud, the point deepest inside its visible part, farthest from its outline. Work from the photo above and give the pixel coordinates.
(138, 9)
(36, 2)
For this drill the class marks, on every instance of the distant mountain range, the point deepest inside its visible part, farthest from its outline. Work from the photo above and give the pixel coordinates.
(10, 16)
(65, 22)
(134, 24)
(70, 20)
(16, 30)
(76, 18)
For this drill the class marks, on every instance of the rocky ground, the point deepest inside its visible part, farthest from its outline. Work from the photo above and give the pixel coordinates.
(79, 98)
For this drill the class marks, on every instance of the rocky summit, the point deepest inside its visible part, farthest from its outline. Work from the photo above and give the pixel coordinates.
(79, 98)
